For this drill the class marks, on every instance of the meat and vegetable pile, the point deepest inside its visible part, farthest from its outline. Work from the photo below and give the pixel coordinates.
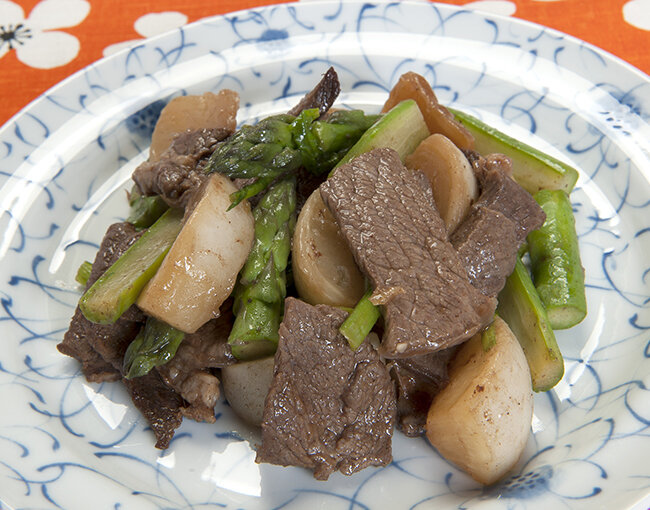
(342, 274)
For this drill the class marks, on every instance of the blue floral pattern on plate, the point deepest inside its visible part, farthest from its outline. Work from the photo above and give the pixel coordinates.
(65, 162)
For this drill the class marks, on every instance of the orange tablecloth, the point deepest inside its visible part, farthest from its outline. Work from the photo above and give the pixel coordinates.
(44, 41)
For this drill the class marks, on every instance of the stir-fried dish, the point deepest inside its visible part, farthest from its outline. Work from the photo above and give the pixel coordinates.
(339, 275)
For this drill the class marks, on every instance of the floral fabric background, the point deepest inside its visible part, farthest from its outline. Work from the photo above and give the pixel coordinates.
(44, 41)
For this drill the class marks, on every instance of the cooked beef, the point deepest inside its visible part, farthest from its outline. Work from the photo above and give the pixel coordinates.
(483, 164)
(178, 174)
(418, 380)
(108, 340)
(100, 347)
(75, 344)
(188, 372)
(387, 215)
(159, 404)
(502, 194)
(498, 222)
(487, 242)
(322, 96)
(307, 183)
(329, 408)
(208, 346)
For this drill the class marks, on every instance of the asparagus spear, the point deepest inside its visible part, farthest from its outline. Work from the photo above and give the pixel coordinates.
(83, 273)
(145, 210)
(402, 129)
(532, 169)
(118, 288)
(322, 144)
(261, 288)
(279, 145)
(360, 322)
(489, 337)
(522, 309)
(555, 261)
(154, 345)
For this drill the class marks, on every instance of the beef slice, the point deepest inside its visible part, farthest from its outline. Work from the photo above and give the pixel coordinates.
(329, 408)
(159, 404)
(387, 215)
(190, 372)
(418, 380)
(489, 238)
(487, 242)
(179, 173)
(322, 96)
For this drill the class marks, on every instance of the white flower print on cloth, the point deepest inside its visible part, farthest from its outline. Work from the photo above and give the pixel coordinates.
(637, 13)
(36, 39)
(149, 25)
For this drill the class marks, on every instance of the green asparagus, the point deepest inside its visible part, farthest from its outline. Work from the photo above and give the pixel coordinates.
(118, 288)
(154, 345)
(401, 129)
(323, 143)
(83, 273)
(555, 261)
(261, 289)
(279, 145)
(531, 168)
(523, 311)
(145, 210)
(489, 337)
(360, 322)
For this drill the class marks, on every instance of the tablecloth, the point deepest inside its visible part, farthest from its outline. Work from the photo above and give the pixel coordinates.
(44, 41)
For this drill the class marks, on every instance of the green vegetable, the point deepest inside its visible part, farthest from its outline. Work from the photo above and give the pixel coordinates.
(489, 337)
(279, 145)
(83, 273)
(145, 210)
(555, 261)
(323, 143)
(401, 129)
(155, 345)
(522, 309)
(118, 288)
(252, 189)
(261, 289)
(532, 169)
(360, 321)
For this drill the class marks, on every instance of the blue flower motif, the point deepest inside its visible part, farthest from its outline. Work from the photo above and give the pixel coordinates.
(523, 486)
(143, 121)
(272, 34)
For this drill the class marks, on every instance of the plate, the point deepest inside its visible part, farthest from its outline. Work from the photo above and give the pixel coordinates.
(66, 161)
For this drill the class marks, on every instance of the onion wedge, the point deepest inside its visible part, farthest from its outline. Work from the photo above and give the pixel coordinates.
(201, 268)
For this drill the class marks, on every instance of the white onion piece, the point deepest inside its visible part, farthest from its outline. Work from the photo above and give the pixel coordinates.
(452, 180)
(324, 270)
(481, 420)
(245, 386)
(200, 270)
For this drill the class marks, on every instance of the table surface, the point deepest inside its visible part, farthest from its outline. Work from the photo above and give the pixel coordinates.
(44, 41)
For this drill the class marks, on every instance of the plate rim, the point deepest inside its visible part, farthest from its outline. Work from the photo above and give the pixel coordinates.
(629, 68)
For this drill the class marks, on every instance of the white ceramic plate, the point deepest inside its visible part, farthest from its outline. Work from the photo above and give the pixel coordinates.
(66, 159)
